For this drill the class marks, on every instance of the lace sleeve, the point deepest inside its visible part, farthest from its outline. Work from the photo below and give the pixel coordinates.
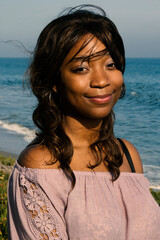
(39, 210)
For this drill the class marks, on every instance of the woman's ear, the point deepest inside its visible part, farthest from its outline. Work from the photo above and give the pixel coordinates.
(55, 89)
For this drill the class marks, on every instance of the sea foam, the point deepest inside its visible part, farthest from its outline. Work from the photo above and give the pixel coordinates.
(28, 134)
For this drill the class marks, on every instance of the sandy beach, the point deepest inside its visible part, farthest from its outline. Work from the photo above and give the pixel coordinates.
(11, 143)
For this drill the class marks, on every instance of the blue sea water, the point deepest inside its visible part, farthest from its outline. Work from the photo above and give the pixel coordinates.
(137, 114)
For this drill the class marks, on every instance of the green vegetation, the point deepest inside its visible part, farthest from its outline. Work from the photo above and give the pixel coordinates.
(156, 195)
(4, 175)
(7, 161)
(3, 204)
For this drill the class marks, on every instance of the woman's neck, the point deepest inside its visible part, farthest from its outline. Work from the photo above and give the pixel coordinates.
(82, 132)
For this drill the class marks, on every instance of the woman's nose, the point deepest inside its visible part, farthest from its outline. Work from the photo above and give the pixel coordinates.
(100, 79)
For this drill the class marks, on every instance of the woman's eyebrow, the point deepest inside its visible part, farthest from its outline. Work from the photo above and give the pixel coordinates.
(81, 58)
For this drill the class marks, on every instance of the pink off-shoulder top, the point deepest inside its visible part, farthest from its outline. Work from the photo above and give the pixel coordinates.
(42, 205)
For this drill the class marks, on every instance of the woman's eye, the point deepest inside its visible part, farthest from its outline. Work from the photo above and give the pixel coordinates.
(80, 70)
(111, 65)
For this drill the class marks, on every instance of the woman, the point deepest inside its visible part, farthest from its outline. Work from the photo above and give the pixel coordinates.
(76, 180)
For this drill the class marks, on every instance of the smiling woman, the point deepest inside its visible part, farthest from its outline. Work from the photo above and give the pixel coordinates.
(76, 180)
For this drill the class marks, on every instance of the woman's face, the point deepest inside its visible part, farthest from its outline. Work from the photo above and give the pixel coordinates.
(89, 89)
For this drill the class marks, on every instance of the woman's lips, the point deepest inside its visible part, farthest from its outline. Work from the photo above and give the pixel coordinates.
(101, 99)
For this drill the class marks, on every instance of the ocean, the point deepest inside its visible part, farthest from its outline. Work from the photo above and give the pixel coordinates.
(137, 114)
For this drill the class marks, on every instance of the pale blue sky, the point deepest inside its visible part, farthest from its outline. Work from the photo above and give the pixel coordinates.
(138, 22)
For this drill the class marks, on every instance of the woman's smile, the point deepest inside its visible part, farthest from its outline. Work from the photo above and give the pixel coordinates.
(101, 99)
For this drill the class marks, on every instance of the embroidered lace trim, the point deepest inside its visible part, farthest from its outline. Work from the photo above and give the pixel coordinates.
(41, 219)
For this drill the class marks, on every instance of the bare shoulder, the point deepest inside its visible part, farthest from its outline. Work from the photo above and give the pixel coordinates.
(36, 156)
(135, 156)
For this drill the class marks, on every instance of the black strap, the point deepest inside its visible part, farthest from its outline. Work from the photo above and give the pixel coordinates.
(128, 156)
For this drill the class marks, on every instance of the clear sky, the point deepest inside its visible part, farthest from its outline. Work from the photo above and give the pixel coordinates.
(138, 22)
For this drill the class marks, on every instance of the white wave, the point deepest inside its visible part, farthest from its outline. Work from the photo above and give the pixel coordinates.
(28, 134)
(150, 169)
(153, 174)
(134, 94)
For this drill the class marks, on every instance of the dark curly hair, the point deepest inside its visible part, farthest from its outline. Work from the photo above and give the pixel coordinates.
(53, 45)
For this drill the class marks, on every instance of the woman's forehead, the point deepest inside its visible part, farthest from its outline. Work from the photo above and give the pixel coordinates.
(88, 46)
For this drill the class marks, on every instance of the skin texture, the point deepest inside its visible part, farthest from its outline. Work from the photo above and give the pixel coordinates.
(89, 90)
